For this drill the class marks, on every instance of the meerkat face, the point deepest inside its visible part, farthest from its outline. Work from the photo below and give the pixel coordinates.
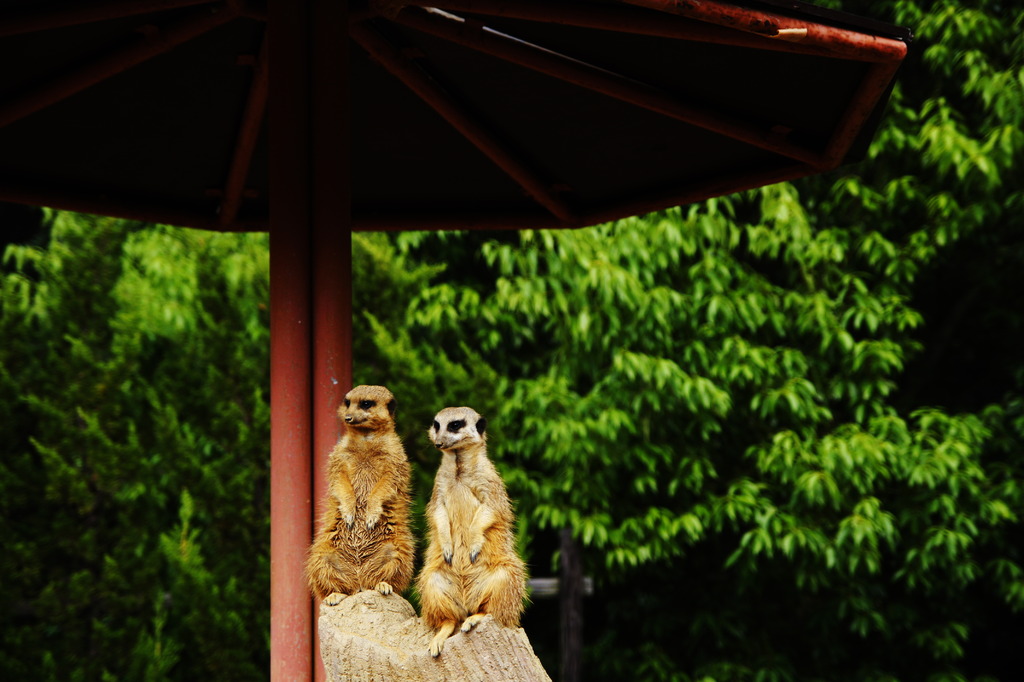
(456, 427)
(368, 408)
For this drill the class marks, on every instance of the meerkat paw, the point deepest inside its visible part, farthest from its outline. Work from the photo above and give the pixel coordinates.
(385, 588)
(448, 553)
(468, 624)
(334, 598)
(347, 515)
(475, 548)
(372, 517)
(443, 633)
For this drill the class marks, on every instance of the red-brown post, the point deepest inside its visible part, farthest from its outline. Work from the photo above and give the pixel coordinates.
(310, 243)
(291, 518)
(332, 244)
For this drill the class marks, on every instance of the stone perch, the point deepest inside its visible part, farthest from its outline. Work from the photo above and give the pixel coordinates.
(372, 638)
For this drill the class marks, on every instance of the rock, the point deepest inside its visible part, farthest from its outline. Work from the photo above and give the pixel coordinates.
(372, 638)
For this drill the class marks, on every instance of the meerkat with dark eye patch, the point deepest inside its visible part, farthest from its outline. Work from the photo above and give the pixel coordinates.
(364, 541)
(471, 568)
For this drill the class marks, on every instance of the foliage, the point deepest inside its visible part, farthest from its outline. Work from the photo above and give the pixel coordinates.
(686, 415)
(133, 381)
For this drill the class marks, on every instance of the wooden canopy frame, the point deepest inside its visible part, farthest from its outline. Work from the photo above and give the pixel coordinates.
(711, 22)
(300, 83)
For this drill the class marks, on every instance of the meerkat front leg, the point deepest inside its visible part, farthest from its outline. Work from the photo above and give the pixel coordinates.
(483, 518)
(334, 598)
(468, 624)
(382, 492)
(444, 532)
(390, 571)
(342, 491)
(445, 631)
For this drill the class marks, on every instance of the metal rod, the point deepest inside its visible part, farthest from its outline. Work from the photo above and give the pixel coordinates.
(625, 19)
(73, 15)
(291, 390)
(840, 42)
(245, 143)
(147, 47)
(451, 111)
(529, 55)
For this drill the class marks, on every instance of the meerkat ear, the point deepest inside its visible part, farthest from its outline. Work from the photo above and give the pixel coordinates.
(392, 406)
(481, 425)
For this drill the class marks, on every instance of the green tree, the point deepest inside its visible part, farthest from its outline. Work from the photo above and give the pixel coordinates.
(133, 381)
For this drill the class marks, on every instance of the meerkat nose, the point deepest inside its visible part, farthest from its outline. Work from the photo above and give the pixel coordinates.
(348, 419)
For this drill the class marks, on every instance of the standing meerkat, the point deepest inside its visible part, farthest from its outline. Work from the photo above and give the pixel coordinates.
(364, 540)
(471, 568)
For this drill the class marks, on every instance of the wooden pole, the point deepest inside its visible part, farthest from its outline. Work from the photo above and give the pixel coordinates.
(310, 241)
(332, 239)
(291, 518)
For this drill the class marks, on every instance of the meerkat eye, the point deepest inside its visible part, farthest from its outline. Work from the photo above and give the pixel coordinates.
(347, 402)
(456, 425)
(437, 427)
(366, 404)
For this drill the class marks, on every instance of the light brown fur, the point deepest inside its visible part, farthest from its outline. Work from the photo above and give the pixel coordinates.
(364, 540)
(471, 567)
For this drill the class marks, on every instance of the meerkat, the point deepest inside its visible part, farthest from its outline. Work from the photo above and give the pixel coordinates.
(471, 567)
(364, 541)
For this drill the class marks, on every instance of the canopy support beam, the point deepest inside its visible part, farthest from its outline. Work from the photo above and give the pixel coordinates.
(625, 19)
(75, 15)
(472, 35)
(156, 41)
(245, 144)
(839, 42)
(435, 96)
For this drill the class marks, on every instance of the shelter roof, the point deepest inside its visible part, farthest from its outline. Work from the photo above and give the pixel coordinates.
(465, 113)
